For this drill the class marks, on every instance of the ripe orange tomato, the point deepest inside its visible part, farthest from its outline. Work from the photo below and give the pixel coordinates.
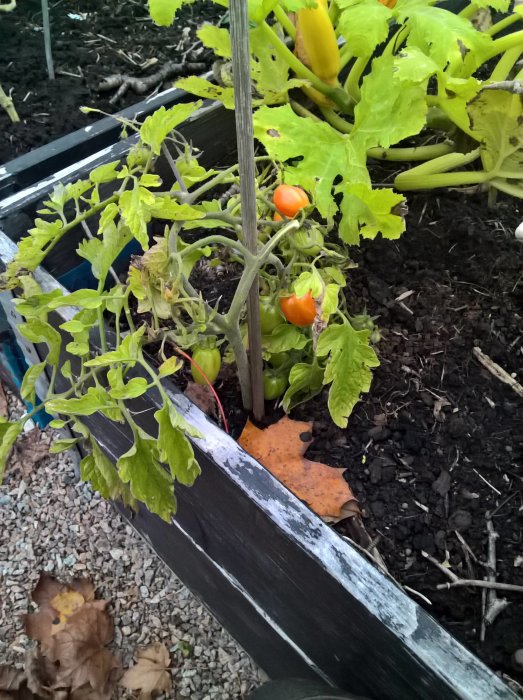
(289, 199)
(277, 216)
(300, 311)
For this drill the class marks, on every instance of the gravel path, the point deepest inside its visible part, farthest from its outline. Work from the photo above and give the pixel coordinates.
(48, 522)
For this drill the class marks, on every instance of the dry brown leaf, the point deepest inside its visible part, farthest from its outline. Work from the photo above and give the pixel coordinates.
(11, 678)
(280, 448)
(73, 629)
(202, 396)
(149, 674)
(28, 450)
(4, 409)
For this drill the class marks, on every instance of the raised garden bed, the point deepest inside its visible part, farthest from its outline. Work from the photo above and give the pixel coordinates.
(299, 598)
(91, 41)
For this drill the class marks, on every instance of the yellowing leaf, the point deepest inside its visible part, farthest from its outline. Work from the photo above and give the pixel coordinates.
(66, 604)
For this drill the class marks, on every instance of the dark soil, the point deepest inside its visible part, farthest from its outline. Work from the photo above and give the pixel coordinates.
(113, 37)
(436, 426)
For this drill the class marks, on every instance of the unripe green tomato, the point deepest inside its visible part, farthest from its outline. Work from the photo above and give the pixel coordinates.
(308, 241)
(210, 361)
(274, 384)
(278, 359)
(270, 315)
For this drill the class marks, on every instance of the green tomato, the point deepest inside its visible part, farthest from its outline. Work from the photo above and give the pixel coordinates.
(308, 241)
(274, 384)
(278, 359)
(210, 361)
(270, 316)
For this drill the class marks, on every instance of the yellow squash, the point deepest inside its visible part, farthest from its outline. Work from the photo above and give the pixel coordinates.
(316, 44)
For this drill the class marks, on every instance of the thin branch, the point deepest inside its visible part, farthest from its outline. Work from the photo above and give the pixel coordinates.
(497, 371)
(140, 86)
(514, 86)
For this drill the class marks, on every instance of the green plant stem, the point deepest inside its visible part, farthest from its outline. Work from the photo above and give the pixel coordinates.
(345, 56)
(428, 182)
(285, 22)
(506, 63)
(416, 153)
(468, 11)
(504, 23)
(352, 83)
(6, 102)
(336, 94)
(334, 119)
(303, 111)
(440, 165)
(397, 40)
(216, 239)
(504, 43)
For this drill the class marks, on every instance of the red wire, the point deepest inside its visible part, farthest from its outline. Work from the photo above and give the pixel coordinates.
(188, 357)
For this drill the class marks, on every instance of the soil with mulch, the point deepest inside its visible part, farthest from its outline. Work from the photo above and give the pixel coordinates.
(438, 442)
(91, 39)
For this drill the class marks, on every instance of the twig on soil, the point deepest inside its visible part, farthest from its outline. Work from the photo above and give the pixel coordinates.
(493, 604)
(142, 85)
(475, 583)
(497, 371)
(468, 553)
(487, 482)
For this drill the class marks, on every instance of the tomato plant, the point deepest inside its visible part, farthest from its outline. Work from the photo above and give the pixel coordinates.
(209, 360)
(300, 311)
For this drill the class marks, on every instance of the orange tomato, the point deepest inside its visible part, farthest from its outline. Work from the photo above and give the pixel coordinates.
(289, 199)
(300, 311)
(277, 216)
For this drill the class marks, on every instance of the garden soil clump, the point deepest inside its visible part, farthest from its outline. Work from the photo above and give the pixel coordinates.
(438, 441)
(92, 40)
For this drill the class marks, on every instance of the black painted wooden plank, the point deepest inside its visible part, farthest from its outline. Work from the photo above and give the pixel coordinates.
(42, 162)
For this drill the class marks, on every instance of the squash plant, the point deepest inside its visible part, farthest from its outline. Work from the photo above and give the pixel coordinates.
(385, 72)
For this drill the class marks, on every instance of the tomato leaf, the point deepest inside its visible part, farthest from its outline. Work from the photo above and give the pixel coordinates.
(148, 481)
(38, 331)
(159, 124)
(350, 358)
(305, 381)
(27, 390)
(8, 434)
(95, 399)
(104, 477)
(284, 338)
(128, 351)
(175, 449)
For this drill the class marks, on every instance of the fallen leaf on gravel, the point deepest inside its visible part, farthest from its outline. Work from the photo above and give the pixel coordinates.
(27, 451)
(79, 650)
(73, 629)
(3, 402)
(280, 448)
(202, 396)
(149, 674)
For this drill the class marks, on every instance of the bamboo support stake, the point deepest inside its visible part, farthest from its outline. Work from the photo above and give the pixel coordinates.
(47, 40)
(245, 139)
